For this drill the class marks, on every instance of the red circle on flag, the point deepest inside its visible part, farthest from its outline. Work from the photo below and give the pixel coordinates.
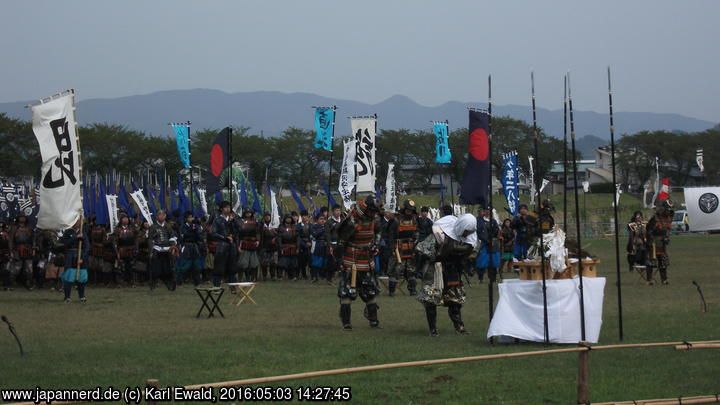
(479, 144)
(217, 160)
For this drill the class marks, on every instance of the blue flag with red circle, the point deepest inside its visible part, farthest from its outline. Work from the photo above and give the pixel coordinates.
(219, 160)
(474, 187)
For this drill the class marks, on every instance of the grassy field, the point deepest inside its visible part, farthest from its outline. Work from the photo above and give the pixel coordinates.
(121, 337)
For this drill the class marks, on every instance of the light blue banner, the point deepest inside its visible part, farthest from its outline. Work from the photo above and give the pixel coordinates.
(510, 181)
(324, 123)
(182, 135)
(442, 149)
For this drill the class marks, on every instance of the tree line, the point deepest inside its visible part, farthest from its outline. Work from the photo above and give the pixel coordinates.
(291, 157)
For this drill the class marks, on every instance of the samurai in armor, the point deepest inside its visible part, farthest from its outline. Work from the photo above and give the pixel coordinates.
(125, 241)
(453, 241)
(23, 247)
(388, 232)
(303, 229)
(507, 238)
(488, 236)
(143, 255)
(223, 237)
(546, 222)
(5, 256)
(402, 260)
(637, 243)
(356, 236)
(336, 252)
(191, 251)
(658, 234)
(111, 266)
(269, 250)
(289, 240)
(249, 234)
(320, 257)
(163, 247)
(45, 241)
(98, 235)
(76, 244)
(424, 230)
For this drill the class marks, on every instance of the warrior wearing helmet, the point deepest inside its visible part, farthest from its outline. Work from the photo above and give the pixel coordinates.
(402, 259)
(658, 234)
(453, 241)
(356, 238)
(249, 234)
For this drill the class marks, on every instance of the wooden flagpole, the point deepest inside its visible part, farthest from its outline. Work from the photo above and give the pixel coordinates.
(615, 208)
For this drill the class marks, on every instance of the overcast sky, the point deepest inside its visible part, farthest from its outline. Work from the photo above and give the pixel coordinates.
(663, 54)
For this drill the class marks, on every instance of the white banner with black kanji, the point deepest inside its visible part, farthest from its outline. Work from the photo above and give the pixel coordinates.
(363, 130)
(53, 123)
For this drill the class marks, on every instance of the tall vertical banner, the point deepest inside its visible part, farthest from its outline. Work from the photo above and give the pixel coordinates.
(54, 124)
(363, 130)
(474, 188)
(533, 190)
(182, 137)
(699, 160)
(442, 147)
(510, 181)
(274, 212)
(112, 211)
(203, 200)
(324, 123)
(142, 204)
(347, 173)
(219, 160)
(390, 195)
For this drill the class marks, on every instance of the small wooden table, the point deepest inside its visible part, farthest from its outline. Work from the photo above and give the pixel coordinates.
(209, 294)
(245, 290)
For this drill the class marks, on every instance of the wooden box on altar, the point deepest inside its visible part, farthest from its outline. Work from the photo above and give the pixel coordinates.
(589, 268)
(531, 270)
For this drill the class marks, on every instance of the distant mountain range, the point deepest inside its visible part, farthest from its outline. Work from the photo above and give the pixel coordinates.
(270, 113)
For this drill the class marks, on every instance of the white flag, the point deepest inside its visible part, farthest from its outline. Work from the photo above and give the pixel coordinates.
(545, 182)
(203, 201)
(233, 192)
(363, 130)
(347, 174)
(274, 212)
(390, 197)
(112, 210)
(586, 186)
(699, 160)
(60, 198)
(618, 191)
(532, 181)
(657, 181)
(142, 204)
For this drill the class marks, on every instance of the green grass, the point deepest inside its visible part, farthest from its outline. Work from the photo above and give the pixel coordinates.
(121, 337)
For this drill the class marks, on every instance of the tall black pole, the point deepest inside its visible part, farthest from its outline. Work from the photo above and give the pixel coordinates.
(565, 156)
(452, 192)
(230, 161)
(332, 151)
(577, 213)
(615, 207)
(491, 275)
(538, 180)
(192, 181)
